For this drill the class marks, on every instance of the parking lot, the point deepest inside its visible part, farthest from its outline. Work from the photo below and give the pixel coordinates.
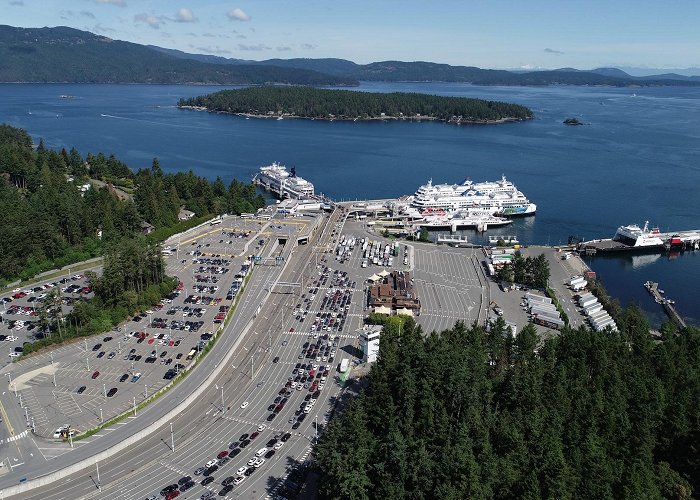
(90, 381)
(20, 310)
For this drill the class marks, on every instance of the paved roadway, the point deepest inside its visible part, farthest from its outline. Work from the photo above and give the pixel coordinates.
(203, 429)
(47, 406)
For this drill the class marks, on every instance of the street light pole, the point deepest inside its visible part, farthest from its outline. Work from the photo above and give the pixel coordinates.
(101, 419)
(172, 438)
(316, 429)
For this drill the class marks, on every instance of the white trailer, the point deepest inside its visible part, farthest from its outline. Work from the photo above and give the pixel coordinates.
(592, 308)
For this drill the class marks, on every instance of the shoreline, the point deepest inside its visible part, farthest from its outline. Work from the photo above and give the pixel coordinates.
(416, 118)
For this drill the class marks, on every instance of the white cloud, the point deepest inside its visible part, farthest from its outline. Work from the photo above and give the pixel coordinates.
(552, 51)
(17, 3)
(238, 15)
(284, 48)
(308, 46)
(118, 3)
(153, 21)
(185, 15)
(257, 47)
(87, 13)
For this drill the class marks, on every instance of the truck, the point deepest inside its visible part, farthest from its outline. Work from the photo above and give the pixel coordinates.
(344, 365)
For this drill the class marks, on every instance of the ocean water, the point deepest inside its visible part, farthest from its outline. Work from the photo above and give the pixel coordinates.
(636, 159)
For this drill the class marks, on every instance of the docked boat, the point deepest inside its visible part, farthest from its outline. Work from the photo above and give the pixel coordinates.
(637, 237)
(278, 180)
(466, 218)
(500, 198)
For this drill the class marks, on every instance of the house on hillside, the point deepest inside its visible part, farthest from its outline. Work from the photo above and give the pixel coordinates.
(184, 215)
(147, 228)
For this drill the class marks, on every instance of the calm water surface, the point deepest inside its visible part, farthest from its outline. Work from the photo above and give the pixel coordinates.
(637, 159)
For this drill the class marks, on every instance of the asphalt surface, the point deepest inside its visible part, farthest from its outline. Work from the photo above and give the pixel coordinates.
(448, 281)
(201, 430)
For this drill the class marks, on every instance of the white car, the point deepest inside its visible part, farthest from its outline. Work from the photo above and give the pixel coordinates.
(259, 462)
(262, 427)
(238, 480)
(241, 470)
(245, 404)
(212, 462)
(279, 445)
(15, 354)
(252, 461)
(11, 338)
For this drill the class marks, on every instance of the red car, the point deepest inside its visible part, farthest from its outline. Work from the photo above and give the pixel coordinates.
(172, 495)
(95, 375)
(222, 454)
(254, 435)
(150, 341)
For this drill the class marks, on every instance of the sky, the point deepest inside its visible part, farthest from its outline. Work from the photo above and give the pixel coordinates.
(506, 34)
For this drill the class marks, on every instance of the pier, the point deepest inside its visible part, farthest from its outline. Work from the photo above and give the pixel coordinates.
(455, 240)
(667, 304)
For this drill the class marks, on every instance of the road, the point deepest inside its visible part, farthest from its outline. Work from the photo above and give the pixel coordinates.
(203, 428)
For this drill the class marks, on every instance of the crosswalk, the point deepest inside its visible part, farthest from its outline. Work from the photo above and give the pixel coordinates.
(15, 437)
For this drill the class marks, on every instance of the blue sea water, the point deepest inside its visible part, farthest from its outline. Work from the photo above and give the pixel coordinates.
(636, 159)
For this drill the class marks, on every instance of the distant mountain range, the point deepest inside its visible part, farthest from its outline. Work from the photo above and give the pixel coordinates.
(63, 54)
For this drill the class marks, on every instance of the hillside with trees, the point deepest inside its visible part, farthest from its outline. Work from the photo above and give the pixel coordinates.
(468, 413)
(324, 104)
(49, 221)
(63, 54)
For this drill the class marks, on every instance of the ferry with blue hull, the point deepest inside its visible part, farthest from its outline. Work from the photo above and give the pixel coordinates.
(499, 198)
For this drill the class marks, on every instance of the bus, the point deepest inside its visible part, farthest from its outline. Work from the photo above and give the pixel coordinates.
(344, 365)
(191, 354)
(215, 221)
(247, 216)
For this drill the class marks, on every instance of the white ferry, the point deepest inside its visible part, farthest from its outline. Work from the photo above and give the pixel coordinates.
(276, 179)
(635, 236)
(465, 218)
(499, 198)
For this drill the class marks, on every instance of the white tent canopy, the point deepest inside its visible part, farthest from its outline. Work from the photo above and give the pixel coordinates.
(374, 278)
(382, 310)
(383, 273)
(405, 311)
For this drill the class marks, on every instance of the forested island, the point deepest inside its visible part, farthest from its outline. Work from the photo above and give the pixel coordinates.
(470, 413)
(322, 104)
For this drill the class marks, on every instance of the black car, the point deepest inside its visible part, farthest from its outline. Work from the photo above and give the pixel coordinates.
(223, 461)
(271, 407)
(211, 470)
(124, 377)
(106, 339)
(225, 490)
(296, 425)
(168, 489)
(112, 392)
(244, 443)
(96, 347)
(243, 437)
(271, 417)
(184, 480)
(286, 437)
(276, 359)
(189, 484)
(269, 454)
(207, 480)
(249, 471)
(100, 354)
(233, 445)
(234, 452)
(272, 442)
(228, 480)
(81, 389)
